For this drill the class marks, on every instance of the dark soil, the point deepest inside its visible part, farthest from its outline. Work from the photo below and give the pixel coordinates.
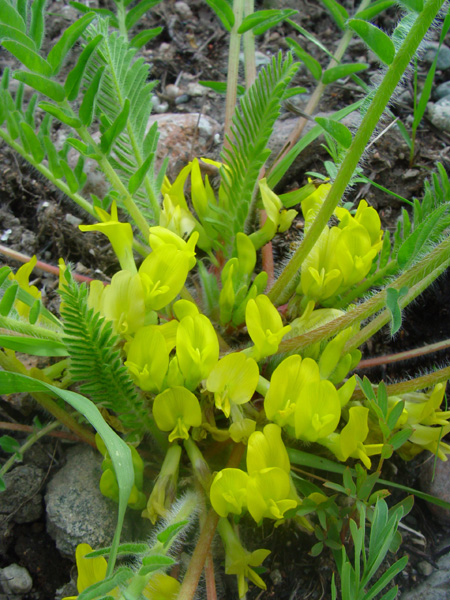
(33, 220)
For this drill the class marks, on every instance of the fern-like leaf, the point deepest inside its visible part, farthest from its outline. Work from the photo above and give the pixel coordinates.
(95, 359)
(250, 132)
(126, 78)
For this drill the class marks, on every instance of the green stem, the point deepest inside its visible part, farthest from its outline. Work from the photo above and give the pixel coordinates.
(285, 284)
(262, 386)
(249, 47)
(32, 439)
(233, 69)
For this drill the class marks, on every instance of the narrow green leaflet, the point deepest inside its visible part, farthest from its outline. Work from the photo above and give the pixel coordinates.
(28, 57)
(33, 346)
(414, 5)
(167, 535)
(262, 20)
(154, 563)
(221, 87)
(8, 299)
(374, 9)
(60, 50)
(119, 452)
(338, 12)
(11, 33)
(311, 63)
(33, 141)
(111, 134)
(75, 77)
(72, 181)
(136, 180)
(334, 73)
(378, 41)
(60, 114)
(99, 589)
(10, 16)
(338, 131)
(140, 9)
(144, 37)
(87, 107)
(53, 158)
(223, 11)
(127, 548)
(37, 23)
(104, 12)
(41, 84)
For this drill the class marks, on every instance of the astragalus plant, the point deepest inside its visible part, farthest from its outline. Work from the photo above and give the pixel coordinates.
(195, 349)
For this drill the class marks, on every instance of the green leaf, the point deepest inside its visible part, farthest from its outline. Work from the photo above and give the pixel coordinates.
(338, 12)
(104, 12)
(60, 50)
(392, 298)
(8, 299)
(33, 141)
(374, 9)
(11, 33)
(33, 346)
(12, 122)
(378, 41)
(10, 16)
(166, 536)
(53, 158)
(60, 114)
(87, 107)
(41, 84)
(395, 414)
(35, 311)
(386, 578)
(2, 484)
(335, 73)
(221, 87)
(80, 146)
(140, 9)
(311, 63)
(145, 36)
(262, 20)
(136, 180)
(402, 436)
(28, 57)
(338, 131)
(382, 399)
(316, 549)
(223, 11)
(75, 77)
(72, 181)
(128, 548)
(113, 132)
(9, 444)
(414, 5)
(37, 23)
(417, 241)
(99, 589)
(118, 450)
(154, 563)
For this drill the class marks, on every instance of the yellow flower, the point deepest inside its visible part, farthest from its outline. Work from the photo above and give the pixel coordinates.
(265, 327)
(228, 492)
(22, 277)
(90, 570)
(176, 410)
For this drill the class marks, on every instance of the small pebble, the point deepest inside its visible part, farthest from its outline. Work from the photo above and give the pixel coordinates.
(162, 108)
(73, 220)
(182, 9)
(15, 579)
(276, 576)
(424, 568)
(172, 91)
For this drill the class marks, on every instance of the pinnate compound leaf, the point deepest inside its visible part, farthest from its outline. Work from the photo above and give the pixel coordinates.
(334, 73)
(262, 20)
(338, 131)
(223, 11)
(28, 57)
(140, 9)
(338, 12)
(60, 50)
(41, 84)
(378, 41)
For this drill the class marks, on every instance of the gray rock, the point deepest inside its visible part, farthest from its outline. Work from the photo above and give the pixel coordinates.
(442, 90)
(76, 509)
(438, 486)
(439, 113)
(15, 580)
(436, 586)
(430, 50)
(183, 10)
(22, 499)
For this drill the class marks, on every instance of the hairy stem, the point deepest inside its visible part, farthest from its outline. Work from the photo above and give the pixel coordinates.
(406, 355)
(233, 68)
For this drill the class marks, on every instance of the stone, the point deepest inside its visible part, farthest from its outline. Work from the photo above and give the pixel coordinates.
(182, 9)
(439, 113)
(15, 580)
(22, 499)
(77, 512)
(442, 90)
(436, 586)
(425, 568)
(430, 50)
(183, 137)
(438, 486)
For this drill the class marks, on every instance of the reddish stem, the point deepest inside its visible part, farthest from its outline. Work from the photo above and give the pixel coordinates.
(407, 354)
(267, 254)
(30, 429)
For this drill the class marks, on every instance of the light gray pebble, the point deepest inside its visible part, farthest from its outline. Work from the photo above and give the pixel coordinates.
(161, 108)
(425, 568)
(73, 220)
(439, 113)
(436, 586)
(443, 61)
(15, 579)
(442, 90)
(276, 576)
(182, 9)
